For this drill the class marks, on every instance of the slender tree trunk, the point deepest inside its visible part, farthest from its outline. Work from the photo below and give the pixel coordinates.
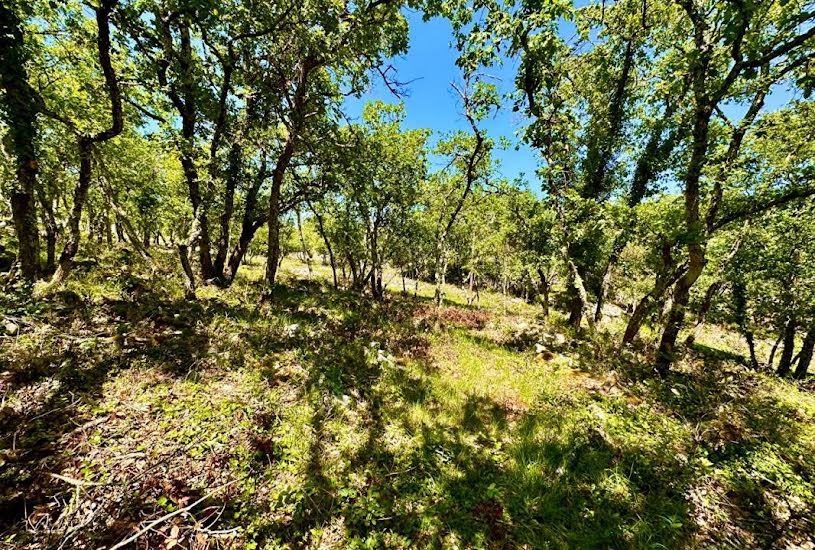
(637, 318)
(740, 307)
(665, 278)
(306, 253)
(297, 113)
(108, 231)
(440, 270)
(123, 224)
(580, 302)
(186, 270)
(545, 288)
(321, 229)
(376, 268)
(617, 248)
(273, 247)
(785, 363)
(273, 250)
(704, 309)
(85, 144)
(751, 346)
(232, 175)
(771, 359)
(51, 230)
(90, 223)
(20, 110)
(249, 227)
(73, 236)
(805, 357)
(695, 230)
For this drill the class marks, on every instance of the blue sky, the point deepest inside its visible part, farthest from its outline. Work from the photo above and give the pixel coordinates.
(429, 66)
(432, 103)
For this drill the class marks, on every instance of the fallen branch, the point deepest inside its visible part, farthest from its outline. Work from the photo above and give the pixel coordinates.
(166, 517)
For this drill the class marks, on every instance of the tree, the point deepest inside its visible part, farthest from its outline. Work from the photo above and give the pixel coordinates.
(470, 161)
(20, 108)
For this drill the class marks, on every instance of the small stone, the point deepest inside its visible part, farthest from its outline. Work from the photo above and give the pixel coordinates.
(11, 328)
(539, 348)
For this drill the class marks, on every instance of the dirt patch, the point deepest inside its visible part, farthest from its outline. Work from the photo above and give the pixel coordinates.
(455, 316)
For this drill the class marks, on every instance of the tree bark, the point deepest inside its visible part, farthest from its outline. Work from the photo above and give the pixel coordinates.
(252, 221)
(805, 357)
(183, 97)
(20, 109)
(544, 287)
(306, 252)
(617, 248)
(321, 229)
(785, 363)
(693, 226)
(51, 229)
(80, 195)
(740, 307)
(294, 128)
(771, 358)
(667, 276)
(232, 175)
(273, 249)
(85, 144)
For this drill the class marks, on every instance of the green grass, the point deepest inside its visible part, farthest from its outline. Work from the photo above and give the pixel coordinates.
(319, 418)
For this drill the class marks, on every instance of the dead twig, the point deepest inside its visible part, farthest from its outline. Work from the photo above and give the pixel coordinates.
(166, 517)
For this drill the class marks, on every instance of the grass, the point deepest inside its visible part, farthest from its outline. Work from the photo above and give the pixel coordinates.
(321, 419)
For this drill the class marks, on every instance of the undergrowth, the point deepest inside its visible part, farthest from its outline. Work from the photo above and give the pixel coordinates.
(320, 418)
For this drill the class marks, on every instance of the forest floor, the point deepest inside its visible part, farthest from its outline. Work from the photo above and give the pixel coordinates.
(323, 419)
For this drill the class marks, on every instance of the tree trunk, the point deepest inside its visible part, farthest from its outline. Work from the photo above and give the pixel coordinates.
(376, 267)
(580, 301)
(771, 358)
(85, 144)
(20, 109)
(676, 316)
(71, 247)
(693, 225)
(440, 270)
(545, 288)
(751, 346)
(186, 270)
(51, 229)
(704, 309)
(306, 253)
(273, 245)
(232, 175)
(273, 250)
(740, 309)
(785, 362)
(249, 227)
(617, 248)
(108, 231)
(321, 229)
(805, 357)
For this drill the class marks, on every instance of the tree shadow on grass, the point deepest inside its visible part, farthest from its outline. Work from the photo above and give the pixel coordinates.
(56, 379)
(755, 440)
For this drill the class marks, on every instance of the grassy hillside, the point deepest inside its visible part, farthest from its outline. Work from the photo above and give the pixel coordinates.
(321, 419)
